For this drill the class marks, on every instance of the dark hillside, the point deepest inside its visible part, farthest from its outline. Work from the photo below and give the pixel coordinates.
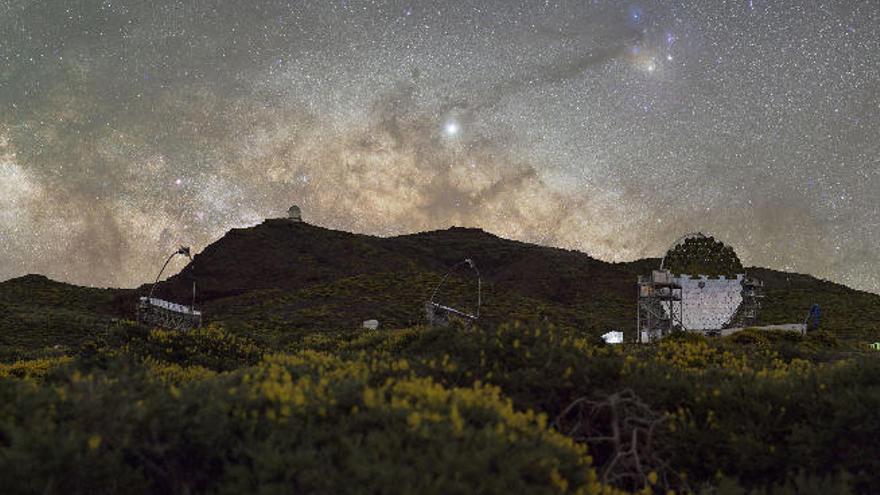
(847, 312)
(36, 312)
(285, 278)
(310, 277)
(278, 254)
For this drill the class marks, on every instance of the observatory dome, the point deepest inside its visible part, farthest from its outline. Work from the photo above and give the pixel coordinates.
(294, 214)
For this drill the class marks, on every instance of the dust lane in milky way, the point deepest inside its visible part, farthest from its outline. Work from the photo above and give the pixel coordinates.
(127, 128)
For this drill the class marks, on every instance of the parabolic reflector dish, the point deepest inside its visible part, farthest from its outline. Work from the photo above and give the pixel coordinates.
(707, 303)
(711, 276)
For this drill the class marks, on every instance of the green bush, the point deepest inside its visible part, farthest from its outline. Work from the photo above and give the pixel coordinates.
(422, 409)
(308, 423)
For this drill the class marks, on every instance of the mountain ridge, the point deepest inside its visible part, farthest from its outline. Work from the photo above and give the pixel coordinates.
(279, 278)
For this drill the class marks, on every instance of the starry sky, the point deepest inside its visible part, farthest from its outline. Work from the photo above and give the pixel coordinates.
(612, 127)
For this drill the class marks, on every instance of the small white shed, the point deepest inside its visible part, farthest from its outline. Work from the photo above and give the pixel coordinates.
(613, 338)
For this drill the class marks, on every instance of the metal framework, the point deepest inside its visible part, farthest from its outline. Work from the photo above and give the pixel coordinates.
(441, 315)
(694, 270)
(659, 306)
(161, 313)
(752, 296)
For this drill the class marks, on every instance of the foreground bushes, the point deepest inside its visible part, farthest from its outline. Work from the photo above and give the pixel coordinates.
(760, 408)
(440, 410)
(309, 423)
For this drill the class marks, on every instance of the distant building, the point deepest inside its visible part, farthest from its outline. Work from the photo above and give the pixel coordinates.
(613, 338)
(294, 214)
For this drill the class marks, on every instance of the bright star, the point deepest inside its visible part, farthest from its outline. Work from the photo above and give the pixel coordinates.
(451, 128)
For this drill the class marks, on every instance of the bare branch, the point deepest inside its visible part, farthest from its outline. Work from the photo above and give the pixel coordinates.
(621, 430)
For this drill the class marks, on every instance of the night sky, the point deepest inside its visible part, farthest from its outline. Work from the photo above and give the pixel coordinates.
(612, 127)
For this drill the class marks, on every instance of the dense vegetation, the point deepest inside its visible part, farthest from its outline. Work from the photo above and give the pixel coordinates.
(516, 408)
(284, 392)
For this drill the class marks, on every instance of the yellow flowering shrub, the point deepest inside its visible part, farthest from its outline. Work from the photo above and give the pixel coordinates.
(174, 373)
(407, 418)
(424, 410)
(32, 368)
(210, 347)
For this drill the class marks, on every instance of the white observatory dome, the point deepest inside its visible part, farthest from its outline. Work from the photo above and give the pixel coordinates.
(294, 214)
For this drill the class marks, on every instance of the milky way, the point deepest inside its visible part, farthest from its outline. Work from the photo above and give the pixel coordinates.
(127, 128)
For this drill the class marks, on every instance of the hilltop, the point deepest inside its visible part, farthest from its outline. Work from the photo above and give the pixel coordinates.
(279, 278)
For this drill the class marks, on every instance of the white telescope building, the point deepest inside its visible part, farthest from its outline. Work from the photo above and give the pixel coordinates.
(701, 286)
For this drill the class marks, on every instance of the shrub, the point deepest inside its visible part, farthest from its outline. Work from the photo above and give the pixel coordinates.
(33, 368)
(210, 347)
(309, 422)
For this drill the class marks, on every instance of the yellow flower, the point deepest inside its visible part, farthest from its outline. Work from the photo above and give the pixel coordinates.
(94, 441)
(457, 421)
(558, 481)
(414, 420)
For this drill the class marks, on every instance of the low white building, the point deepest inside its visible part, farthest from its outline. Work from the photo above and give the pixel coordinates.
(613, 338)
